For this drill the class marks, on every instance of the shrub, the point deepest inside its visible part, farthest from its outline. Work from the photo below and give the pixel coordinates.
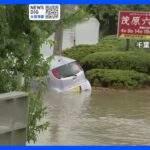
(80, 51)
(108, 43)
(112, 42)
(117, 78)
(138, 61)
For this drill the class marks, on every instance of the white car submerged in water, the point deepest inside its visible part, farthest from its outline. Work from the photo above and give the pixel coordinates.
(66, 74)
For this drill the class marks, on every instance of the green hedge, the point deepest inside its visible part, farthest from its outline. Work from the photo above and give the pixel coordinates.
(117, 78)
(138, 61)
(80, 51)
(111, 43)
(108, 43)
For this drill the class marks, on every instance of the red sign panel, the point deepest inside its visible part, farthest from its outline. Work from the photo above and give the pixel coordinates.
(134, 25)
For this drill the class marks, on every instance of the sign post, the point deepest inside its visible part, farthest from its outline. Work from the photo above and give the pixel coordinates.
(133, 25)
(127, 44)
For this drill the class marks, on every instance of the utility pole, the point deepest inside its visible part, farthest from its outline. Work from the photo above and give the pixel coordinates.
(59, 34)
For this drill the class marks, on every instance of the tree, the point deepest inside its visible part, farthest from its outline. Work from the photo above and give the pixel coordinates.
(107, 15)
(20, 41)
(59, 34)
(69, 17)
(138, 7)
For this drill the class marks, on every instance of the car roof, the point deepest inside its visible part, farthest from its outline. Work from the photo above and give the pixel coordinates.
(58, 61)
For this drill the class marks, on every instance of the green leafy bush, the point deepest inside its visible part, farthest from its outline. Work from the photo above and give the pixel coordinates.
(112, 42)
(138, 61)
(108, 43)
(110, 54)
(80, 51)
(117, 78)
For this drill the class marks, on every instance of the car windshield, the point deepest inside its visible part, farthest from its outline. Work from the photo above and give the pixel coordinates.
(68, 70)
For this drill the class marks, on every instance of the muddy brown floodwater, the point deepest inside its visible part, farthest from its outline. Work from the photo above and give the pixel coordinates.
(105, 117)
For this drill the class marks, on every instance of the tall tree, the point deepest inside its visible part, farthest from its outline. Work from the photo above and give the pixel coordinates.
(107, 15)
(59, 34)
(20, 41)
(69, 17)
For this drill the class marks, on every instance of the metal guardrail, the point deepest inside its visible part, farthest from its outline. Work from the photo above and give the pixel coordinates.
(13, 118)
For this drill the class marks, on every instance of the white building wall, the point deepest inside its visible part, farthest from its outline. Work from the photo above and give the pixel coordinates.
(87, 32)
(82, 33)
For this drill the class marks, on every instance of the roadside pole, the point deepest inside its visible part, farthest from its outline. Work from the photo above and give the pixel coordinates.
(127, 44)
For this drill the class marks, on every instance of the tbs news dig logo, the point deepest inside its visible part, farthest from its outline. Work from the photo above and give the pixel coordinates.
(44, 12)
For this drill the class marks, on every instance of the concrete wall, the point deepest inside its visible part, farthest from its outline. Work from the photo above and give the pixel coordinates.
(13, 118)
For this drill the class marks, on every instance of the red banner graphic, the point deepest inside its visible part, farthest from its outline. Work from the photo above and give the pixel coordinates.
(134, 25)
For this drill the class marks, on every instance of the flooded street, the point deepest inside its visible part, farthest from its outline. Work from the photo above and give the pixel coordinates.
(105, 117)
